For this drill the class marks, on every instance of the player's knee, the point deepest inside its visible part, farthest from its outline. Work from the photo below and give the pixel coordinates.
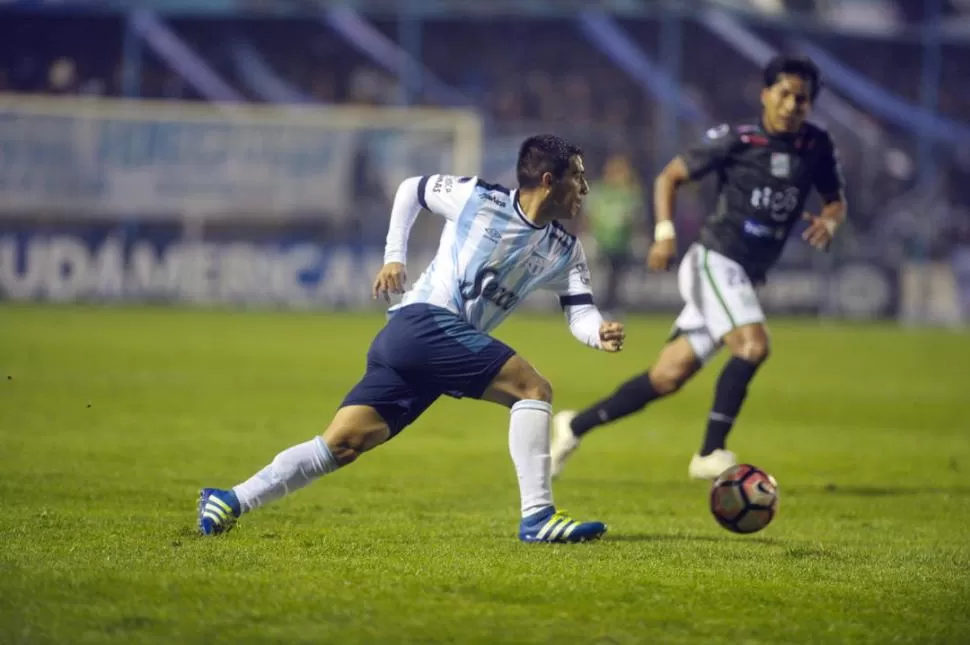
(675, 366)
(347, 443)
(348, 446)
(754, 350)
(537, 388)
(667, 379)
(345, 447)
(518, 381)
(749, 343)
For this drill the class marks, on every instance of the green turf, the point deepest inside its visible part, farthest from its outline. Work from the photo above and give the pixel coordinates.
(110, 420)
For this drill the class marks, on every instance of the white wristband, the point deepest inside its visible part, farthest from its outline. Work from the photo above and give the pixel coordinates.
(664, 231)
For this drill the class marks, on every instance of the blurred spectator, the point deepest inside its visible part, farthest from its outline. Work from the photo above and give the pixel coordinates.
(614, 210)
(545, 74)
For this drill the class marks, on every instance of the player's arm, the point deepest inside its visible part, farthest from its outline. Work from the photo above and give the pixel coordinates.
(445, 195)
(665, 187)
(830, 184)
(584, 318)
(699, 160)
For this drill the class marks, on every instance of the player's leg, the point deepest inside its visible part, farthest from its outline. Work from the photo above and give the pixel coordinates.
(379, 406)
(354, 430)
(734, 316)
(676, 364)
(681, 358)
(521, 388)
(749, 347)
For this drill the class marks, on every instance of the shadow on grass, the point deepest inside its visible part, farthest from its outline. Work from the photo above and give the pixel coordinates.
(667, 537)
(880, 491)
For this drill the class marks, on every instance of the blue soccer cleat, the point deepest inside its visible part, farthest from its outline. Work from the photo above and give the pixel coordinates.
(218, 510)
(550, 525)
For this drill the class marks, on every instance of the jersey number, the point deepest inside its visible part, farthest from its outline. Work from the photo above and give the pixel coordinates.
(486, 286)
(779, 203)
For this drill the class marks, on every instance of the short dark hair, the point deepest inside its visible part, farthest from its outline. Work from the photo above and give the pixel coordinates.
(543, 153)
(800, 66)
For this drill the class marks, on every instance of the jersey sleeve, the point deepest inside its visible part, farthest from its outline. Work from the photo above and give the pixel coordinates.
(445, 195)
(711, 152)
(574, 285)
(576, 299)
(828, 179)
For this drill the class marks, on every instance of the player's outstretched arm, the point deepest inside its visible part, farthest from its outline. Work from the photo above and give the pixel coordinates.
(588, 327)
(586, 323)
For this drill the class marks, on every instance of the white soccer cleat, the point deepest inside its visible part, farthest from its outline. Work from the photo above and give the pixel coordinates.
(563, 442)
(711, 466)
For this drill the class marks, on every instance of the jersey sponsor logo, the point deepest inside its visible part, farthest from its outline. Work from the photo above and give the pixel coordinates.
(718, 131)
(486, 285)
(778, 203)
(757, 229)
(495, 200)
(780, 165)
(493, 234)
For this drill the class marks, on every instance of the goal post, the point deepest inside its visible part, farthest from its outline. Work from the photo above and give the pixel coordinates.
(142, 159)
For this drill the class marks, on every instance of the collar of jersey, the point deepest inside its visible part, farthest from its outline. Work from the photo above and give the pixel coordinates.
(518, 210)
(787, 137)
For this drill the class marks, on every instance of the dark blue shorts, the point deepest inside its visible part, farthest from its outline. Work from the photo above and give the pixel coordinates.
(421, 353)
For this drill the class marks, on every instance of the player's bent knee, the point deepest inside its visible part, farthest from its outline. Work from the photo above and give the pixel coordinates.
(537, 389)
(347, 444)
(675, 366)
(518, 381)
(755, 350)
(750, 343)
(666, 381)
(354, 431)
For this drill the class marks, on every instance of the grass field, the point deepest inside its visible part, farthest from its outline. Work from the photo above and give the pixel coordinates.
(110, 421)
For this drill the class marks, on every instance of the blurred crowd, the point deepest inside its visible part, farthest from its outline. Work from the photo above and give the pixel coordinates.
(526, 75)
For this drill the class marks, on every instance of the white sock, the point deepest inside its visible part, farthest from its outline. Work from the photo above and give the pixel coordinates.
(291, 470)
(529, 446)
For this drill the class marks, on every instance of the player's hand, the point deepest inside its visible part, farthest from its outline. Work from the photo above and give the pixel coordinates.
(612, 336)
(661, 254)
(390, 279)
(820, 231)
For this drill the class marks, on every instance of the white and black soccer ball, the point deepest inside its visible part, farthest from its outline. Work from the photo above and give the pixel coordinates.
(744, 499)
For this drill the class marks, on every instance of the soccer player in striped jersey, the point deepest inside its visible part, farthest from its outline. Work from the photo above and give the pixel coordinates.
(497, 246)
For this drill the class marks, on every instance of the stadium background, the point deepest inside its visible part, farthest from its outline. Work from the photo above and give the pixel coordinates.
(196, 200)
(193, 200)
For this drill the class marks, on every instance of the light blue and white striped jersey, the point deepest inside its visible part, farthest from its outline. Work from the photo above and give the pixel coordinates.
(490, 257)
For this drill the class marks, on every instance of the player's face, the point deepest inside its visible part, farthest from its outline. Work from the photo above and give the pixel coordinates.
(787, 103)
(566, 195)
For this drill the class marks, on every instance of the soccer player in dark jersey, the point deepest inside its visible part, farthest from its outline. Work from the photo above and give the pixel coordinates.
(766, 170)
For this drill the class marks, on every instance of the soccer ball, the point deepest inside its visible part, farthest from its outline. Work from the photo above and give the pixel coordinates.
(744, 499)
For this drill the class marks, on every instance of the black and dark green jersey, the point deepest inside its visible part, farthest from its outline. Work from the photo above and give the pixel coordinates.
(763, 183)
